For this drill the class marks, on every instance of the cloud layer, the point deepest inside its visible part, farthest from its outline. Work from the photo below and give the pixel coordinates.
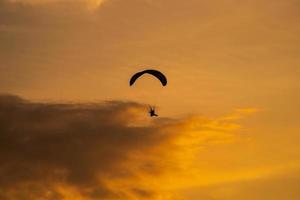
(96, 151)
(90, 3)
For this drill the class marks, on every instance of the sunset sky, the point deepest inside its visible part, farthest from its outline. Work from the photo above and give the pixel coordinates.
(71, 127)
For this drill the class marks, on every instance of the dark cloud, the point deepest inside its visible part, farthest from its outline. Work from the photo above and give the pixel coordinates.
(91, 151)
(56, 13)
(83, 146)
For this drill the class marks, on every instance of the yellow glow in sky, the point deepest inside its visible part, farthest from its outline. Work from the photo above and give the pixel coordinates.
(228, 125)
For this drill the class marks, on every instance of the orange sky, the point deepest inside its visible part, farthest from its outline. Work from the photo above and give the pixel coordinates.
(233, 72)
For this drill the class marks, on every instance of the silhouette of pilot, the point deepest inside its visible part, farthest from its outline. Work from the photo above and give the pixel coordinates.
(152, 112)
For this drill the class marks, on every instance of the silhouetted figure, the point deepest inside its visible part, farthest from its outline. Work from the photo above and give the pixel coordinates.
(152, 112)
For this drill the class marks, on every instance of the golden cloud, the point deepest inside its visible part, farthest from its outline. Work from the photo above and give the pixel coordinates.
(93, 151)
(92, 4)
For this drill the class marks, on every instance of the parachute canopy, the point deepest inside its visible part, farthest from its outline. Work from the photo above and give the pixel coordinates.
(160, 76)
